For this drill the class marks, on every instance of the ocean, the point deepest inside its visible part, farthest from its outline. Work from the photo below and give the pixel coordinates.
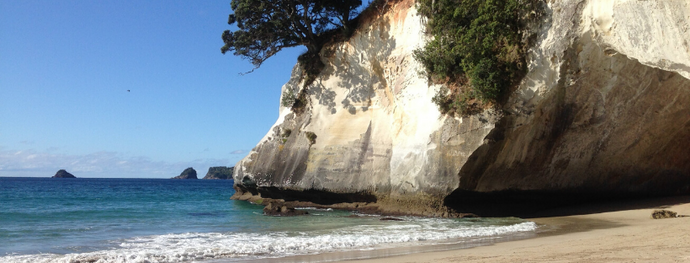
(163, 220)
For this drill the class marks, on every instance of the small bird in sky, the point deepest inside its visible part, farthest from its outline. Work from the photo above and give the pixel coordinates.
(127, 90)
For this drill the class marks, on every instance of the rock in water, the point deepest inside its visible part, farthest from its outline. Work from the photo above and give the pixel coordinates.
(282, 210)
(63, 174)
(219, 172)
(188, 173)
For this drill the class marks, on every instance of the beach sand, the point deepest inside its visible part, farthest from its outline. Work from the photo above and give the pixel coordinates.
(611, 232)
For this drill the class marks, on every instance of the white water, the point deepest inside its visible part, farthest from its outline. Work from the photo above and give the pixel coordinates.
(371, 234)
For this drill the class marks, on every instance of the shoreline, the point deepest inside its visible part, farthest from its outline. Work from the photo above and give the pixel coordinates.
(615, 231)
(621, 231)
(547, 227)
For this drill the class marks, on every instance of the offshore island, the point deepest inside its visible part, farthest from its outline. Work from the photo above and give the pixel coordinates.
(62, 173)
(214, 173)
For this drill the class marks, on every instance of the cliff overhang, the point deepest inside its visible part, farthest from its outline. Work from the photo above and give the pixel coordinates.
(601, 113)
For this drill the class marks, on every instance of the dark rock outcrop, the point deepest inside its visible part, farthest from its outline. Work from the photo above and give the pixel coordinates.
(219, 173)
(188, 173)
(660, 214)
(282, 210)
(391, 219)
(63, 174)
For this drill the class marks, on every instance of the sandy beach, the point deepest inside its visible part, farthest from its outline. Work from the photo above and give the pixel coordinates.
(612, 232)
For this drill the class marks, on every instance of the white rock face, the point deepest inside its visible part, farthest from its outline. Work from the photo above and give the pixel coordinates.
(376, 126)
(656, 33)
(603, 108)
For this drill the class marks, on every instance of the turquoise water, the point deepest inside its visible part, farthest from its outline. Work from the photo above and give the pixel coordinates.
(161, 220)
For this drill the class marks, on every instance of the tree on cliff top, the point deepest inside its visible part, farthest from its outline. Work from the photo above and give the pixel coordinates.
(267, 26)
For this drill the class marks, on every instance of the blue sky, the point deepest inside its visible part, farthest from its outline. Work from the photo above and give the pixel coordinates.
(66, 66)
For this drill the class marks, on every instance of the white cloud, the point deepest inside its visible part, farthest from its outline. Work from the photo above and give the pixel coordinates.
(99, 164)
(238, 152)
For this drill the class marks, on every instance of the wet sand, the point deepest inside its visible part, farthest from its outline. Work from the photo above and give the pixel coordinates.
(605, 232)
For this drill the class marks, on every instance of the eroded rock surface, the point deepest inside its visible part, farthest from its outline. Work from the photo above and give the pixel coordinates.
(602, 111)
(589, 120)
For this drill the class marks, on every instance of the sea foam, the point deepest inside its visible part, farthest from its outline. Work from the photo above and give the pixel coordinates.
(207, 246)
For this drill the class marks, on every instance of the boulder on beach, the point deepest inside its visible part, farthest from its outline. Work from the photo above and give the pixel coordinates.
(660, 214)
(63, 174)
(188, 173)
(219, 173)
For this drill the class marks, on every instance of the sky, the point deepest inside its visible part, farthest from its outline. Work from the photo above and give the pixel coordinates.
(128, 89)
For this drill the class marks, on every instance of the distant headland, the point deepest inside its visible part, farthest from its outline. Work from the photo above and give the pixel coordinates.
(63, 174)
(219, 173)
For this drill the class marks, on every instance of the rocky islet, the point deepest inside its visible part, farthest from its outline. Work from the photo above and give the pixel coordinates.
(63, 174)
(188, 173)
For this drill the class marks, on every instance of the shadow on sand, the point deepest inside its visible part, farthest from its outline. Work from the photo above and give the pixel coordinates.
(539, 204)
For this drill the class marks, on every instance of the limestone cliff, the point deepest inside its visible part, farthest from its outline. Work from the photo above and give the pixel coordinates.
(602, 110)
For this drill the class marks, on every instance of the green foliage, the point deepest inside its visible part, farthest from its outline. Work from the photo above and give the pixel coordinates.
(267, 26)
(288, 98)
(311, 137)
(477, 43)
(296, 102)
(285, 135)
(301, 102)
(447, 101)
(453, 102)
(311, 65)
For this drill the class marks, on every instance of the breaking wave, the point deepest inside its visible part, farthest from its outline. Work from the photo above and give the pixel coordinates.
(208, 246)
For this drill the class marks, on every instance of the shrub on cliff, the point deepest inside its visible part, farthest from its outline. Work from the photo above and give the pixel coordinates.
(311, 137)
(478, 48)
